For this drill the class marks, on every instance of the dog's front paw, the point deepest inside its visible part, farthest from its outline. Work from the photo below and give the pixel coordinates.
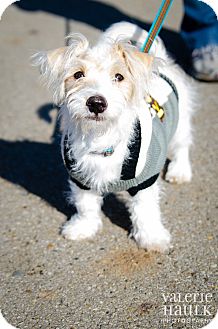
(78, 228)
(178, 172)
(157, 239)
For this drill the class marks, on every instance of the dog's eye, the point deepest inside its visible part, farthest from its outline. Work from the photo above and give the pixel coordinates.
(118, 77)
(78, 75)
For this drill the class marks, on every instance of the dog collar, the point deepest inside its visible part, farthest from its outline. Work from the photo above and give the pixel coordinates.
(105, 153)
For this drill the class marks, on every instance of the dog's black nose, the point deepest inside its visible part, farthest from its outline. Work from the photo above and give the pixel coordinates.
(96, 104)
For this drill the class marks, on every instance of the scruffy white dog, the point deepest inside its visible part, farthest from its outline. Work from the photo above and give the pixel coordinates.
(122, 112)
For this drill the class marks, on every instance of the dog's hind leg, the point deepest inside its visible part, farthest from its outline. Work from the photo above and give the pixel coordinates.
(179, 169)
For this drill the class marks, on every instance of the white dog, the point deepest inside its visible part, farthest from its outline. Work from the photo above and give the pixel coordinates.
(119, 113)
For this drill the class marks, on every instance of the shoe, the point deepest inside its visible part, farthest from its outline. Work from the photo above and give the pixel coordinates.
(205, 63)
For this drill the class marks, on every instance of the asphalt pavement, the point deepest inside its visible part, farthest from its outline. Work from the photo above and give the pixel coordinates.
(51, 283)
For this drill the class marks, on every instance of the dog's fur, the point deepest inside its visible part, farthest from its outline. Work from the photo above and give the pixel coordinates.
(89, 134)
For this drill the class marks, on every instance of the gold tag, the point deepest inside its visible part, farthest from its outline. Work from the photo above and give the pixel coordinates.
(153, 104)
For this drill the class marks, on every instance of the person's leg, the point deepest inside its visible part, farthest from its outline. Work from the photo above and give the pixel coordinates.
(199, 26)
(199, 30)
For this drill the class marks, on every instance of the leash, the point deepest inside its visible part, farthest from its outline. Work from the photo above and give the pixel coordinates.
(157, 24)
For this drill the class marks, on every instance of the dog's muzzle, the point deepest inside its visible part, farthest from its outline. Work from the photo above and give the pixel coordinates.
(96, 104)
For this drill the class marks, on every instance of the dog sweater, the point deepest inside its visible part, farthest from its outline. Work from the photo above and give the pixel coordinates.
(164, 124)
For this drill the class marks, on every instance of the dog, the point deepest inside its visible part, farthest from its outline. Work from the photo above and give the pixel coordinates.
(123, 112)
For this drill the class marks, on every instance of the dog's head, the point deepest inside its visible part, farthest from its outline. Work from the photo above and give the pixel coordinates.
(99, 84)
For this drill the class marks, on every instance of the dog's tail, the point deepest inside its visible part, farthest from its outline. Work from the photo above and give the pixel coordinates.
(136, 35)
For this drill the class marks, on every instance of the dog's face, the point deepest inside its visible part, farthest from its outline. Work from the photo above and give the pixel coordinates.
(97, 85)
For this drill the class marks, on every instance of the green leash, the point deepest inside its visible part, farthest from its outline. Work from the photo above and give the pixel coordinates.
(157, 24)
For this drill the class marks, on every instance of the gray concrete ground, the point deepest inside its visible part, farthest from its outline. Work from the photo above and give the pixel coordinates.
(48, 282)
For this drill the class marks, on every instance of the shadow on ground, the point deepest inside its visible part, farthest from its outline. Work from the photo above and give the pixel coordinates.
(101, 16)
(38, 167)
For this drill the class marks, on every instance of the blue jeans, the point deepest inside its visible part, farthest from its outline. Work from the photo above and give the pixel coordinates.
(199, 26)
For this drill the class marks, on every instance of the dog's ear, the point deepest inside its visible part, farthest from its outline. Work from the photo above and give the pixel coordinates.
(136, 61)
(50, 64)
(48, 61)
(145, 58)
(54, 64)
(142, 64)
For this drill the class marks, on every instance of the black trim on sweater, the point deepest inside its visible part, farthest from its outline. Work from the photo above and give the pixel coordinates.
(129, 165)
(134, 190)
(69, 163)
